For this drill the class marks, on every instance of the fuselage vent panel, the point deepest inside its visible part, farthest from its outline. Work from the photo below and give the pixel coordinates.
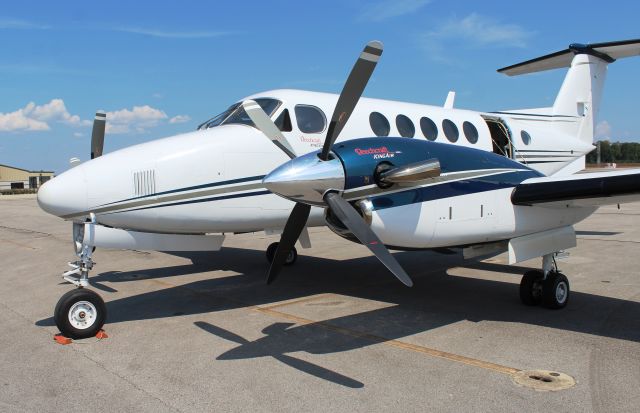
(144, 182)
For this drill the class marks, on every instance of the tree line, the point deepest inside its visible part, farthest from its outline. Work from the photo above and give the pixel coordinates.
(616, 152)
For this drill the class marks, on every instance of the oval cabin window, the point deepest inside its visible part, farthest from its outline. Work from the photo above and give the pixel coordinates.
(379, 124)
(405, 126)
(450, 130)
(429, 128)
(470, 132)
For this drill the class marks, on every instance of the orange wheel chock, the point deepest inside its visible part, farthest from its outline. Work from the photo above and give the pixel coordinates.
(60, 339)
(101, 334)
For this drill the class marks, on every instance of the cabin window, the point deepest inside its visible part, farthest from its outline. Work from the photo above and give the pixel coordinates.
(405, 126)
(429, 128)
(450, 130)
(379, 124)
(470, 132)
(310, 119)
(526, 138)
(284, 121)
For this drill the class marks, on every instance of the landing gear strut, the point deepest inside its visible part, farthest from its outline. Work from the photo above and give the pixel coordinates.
(80, 313)
(548, 286)
(291, 258)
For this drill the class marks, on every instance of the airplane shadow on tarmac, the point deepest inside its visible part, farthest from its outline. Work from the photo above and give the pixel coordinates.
(436, 300)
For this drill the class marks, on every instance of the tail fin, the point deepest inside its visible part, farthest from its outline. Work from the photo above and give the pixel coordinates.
(581, 92)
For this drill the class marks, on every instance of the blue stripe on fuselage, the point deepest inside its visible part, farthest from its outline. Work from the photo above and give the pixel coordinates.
(196, 201)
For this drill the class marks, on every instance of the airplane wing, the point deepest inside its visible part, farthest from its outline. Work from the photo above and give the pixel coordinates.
(579, 190)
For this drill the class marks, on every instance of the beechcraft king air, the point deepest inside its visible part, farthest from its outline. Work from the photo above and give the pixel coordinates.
(389, 175)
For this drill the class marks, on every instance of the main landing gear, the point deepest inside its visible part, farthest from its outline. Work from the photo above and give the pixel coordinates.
(548, 286)
(291, 258)
(80, 313)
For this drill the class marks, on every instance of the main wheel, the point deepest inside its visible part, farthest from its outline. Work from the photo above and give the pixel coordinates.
(555, 291)
(531, 287)
(80, 313)
(291, 258)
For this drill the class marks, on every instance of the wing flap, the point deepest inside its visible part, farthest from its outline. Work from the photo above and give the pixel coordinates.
(580, 190)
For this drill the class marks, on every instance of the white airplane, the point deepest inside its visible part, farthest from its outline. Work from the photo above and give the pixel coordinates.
(432, 177)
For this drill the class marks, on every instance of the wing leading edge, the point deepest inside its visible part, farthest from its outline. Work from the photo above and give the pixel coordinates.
(580, 190)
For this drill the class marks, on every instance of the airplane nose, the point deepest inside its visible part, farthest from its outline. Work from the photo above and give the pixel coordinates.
(65, 194)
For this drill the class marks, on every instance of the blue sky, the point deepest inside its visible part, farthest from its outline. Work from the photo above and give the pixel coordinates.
(160, 68)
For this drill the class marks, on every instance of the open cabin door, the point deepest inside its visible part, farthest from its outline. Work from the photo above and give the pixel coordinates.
(500, 136)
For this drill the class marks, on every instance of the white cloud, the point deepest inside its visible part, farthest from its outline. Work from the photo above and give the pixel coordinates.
(57, 111)
(387, 9)
(34, 117)
(37, 117)
(171, 34)
(180, 119)
(8, 23)
(603, 129)
(138, 119)
(476, 30)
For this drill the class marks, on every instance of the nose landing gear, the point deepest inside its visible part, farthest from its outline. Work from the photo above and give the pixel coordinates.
(548, 286)
(80, 313)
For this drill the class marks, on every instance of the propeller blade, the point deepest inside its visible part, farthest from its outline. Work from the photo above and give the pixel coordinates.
(97, 134)
(352, 220)
(351, 93)
(266, 126)
(294, 226)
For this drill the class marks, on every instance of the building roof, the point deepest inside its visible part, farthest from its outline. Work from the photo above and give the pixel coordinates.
(26, 170)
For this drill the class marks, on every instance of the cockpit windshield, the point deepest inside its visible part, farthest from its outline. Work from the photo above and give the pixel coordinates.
(237, 115)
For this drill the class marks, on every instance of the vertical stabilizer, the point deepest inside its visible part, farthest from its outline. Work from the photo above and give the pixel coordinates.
(578, 101)
(580, 95)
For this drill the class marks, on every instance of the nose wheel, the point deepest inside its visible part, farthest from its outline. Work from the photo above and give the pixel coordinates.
(291, 258)
(80, 313)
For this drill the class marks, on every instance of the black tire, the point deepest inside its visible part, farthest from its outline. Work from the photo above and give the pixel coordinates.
(292, 257)
(555, 291)
(531, 288)
(87, 307)
(271, 252)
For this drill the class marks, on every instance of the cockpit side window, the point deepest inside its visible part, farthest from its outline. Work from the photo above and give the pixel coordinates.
(284, 121)
(310, 119)
(237, 115)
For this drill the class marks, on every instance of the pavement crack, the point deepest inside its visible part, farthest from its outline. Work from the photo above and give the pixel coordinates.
(24, 231)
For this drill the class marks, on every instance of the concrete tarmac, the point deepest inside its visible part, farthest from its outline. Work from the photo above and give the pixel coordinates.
(202, 332)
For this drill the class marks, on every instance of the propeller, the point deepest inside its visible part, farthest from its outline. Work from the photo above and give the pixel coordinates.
(97, 134)
(321, 185)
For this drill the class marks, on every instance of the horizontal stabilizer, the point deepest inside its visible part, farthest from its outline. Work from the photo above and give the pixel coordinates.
(608, 52)
(580, 190)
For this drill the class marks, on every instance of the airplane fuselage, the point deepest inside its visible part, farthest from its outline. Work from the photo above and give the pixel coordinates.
(209, 180)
